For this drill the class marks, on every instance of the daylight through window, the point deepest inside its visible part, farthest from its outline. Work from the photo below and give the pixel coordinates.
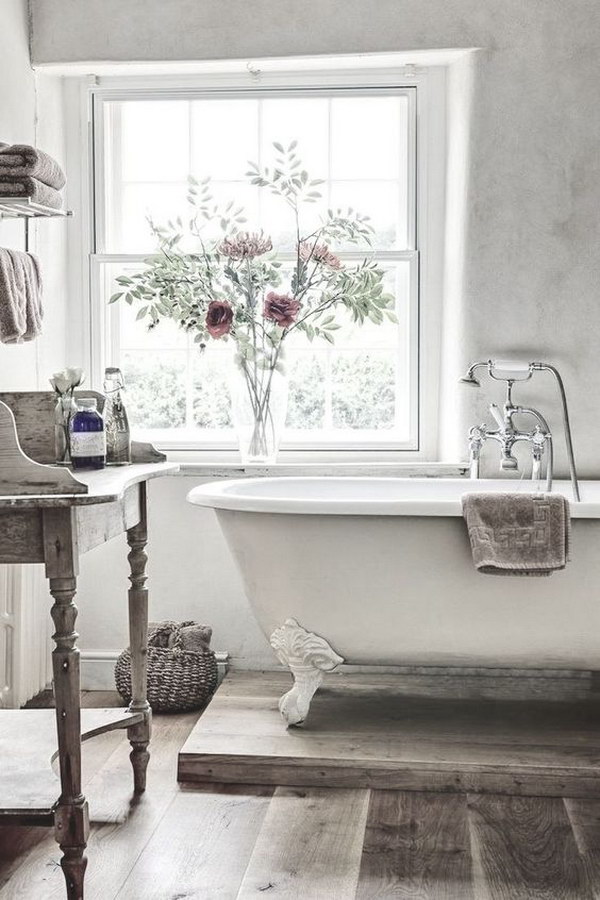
(361, 391)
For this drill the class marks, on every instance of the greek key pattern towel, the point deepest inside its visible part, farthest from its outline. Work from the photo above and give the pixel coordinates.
(518, 534)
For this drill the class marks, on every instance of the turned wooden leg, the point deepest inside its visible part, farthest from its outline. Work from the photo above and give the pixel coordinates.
(308, 657)
(71, 823)
(139, 735)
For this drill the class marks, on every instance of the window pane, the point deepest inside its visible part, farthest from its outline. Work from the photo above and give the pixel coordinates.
(161, 202)
(155, 384)
(305, 120)
(224, 138)
(381, 202)
(366, 136)
(155, 140)
(363, 389)
(359, 388)
(306, 401)
(212, 404)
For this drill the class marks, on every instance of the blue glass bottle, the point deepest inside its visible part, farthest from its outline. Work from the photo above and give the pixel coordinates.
(88, 440)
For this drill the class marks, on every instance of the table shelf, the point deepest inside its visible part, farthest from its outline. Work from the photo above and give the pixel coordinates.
(29, 787)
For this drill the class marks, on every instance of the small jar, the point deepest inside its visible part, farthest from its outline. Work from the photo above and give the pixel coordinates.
(88, 440)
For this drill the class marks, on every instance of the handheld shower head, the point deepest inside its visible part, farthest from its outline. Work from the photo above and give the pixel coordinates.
(499, 370)
(470, 379)
(469, 376)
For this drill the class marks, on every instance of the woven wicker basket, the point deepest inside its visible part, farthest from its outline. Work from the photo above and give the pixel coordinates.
(178, 679)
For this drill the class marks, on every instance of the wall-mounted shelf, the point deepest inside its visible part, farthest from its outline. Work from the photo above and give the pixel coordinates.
(22, 207)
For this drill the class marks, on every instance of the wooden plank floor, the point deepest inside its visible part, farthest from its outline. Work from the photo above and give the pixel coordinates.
(528, 736)
(234, 842)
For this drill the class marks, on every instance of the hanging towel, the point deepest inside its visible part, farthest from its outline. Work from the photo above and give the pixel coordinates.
(21, 310)
(21, 160)
(518, 534)
(32, 277)
(13, 320)
(32, 188)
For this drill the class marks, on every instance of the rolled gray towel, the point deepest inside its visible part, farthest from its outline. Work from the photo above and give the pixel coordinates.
(22, 160)
(35, 190)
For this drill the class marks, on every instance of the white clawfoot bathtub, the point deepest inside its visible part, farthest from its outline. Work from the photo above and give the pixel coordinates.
(378, 571)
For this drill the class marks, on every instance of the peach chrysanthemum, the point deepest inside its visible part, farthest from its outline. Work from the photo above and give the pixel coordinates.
(245, 245)
(321, 254)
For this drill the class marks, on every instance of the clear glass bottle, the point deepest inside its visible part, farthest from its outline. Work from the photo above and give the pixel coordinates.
(116, 423)
(64, 410)
(88, 440)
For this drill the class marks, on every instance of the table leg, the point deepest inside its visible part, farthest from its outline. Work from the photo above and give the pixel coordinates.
(139, 735)
(71, 823)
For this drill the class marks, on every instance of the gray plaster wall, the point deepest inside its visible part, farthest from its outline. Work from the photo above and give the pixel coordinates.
(522, 260)
(522, 250)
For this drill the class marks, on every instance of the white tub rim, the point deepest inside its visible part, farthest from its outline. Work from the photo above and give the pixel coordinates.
(370, 496)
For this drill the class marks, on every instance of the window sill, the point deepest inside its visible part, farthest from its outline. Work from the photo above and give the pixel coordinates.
(220, 466)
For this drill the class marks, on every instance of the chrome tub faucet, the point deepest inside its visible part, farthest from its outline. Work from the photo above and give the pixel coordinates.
(507, 434)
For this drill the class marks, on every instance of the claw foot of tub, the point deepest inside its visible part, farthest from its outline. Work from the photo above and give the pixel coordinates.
(308, 657)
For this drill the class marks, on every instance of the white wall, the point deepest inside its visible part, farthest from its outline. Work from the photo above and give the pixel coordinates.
(522, 268)
(191, 576)
(31, 112)
(18, 365)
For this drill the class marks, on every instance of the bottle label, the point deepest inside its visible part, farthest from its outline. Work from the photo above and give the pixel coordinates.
(88, 443)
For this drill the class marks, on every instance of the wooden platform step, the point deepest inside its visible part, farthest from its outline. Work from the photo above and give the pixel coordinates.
(511, 736)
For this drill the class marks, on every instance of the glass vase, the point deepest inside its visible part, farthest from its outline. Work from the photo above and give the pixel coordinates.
(64, 409)
(258, 409)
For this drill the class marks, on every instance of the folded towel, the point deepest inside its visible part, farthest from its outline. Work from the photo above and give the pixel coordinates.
(21, 310)
(518, 534)
(20, 160)
(32, 188)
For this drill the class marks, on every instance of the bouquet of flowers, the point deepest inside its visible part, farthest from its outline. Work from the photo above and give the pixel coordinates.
(236, 287)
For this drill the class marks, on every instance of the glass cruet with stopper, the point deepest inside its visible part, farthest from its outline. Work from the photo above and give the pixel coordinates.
(116, 423)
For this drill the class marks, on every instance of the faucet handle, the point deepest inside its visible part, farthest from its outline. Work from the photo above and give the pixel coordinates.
(495, 411)
(478, 433)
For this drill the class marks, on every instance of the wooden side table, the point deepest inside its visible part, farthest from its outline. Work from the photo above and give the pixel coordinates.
(48, 516)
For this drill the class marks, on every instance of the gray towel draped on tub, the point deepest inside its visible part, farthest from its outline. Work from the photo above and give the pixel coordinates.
(21, 310)
(518, 534)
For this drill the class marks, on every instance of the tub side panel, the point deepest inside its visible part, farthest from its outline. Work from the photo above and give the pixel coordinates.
(403, 591)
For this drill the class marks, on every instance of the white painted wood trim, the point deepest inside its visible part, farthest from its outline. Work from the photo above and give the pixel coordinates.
(424, 71)
(98, 668)
(318, 468)
(25, 634)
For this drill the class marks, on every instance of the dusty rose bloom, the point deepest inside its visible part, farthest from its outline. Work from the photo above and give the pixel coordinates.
(320, 253)
(245, 245)
(281, 308)
(219, 317)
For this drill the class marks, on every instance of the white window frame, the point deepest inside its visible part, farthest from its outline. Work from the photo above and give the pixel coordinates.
(91, 320)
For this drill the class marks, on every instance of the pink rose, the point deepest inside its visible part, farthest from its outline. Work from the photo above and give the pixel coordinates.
(219, 317)
(281, 308)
